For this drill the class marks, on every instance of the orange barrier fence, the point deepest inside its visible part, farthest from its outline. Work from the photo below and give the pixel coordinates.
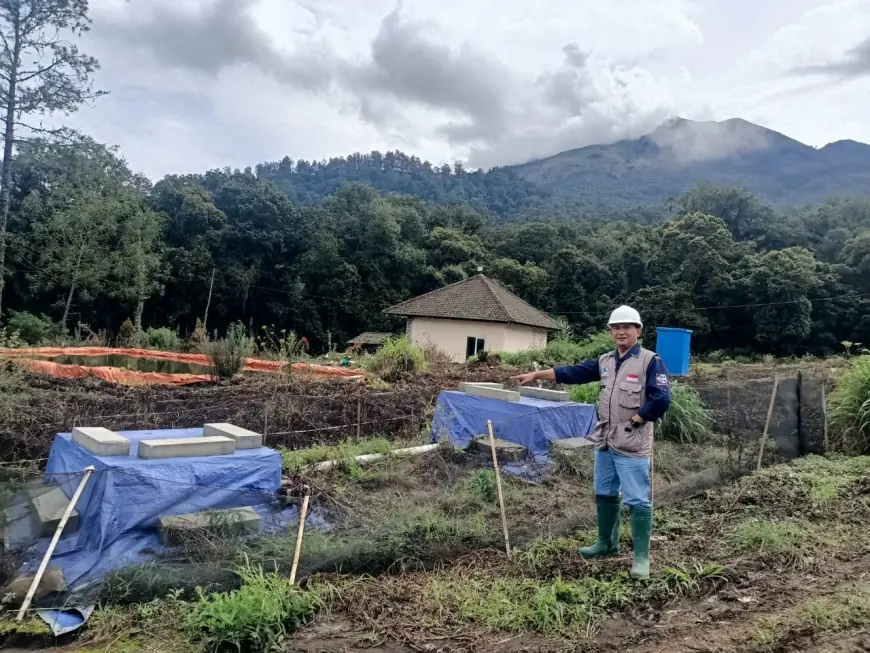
(132, 377)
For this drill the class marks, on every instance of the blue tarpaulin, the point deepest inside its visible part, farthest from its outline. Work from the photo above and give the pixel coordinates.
(126, 495)
(532, 423)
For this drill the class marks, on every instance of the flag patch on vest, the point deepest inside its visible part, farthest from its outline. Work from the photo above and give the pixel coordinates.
(661, 379)
(632, 378)
(603, 371)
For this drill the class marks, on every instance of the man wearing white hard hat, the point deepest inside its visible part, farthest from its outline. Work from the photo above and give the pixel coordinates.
(635, 392)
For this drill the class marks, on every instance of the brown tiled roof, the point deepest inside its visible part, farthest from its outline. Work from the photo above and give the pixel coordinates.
(370, 338)
(478, 298)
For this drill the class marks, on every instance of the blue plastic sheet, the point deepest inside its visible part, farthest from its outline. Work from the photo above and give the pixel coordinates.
(126, 495)
(533, 423)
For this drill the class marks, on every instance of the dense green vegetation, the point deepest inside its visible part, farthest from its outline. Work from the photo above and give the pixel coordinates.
(320, 249)
(92, 244)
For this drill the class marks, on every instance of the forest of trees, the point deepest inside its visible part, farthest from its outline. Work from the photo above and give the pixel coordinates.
(323, 247)
(91, 242)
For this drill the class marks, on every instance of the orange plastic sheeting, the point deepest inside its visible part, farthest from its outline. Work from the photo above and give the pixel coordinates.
(251, 364)
(114, 374)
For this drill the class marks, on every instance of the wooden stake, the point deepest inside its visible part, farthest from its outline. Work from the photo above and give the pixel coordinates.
(265, 422)
(767, 422)
(303, 513)
(208, 304)
(507, 541)
(825, 417)
(57, 533)
(358, 417)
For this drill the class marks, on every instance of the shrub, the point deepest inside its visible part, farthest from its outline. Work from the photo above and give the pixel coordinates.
(686, 420)
(562, 351)
(397, 358)
(850, 408)
(259, 616)
(161, 338)
(127, 333)
(33, 329)
(228, 355)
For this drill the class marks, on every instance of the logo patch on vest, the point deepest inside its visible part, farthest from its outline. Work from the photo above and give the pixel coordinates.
(661, 379)
(632, 378)
(603, 372)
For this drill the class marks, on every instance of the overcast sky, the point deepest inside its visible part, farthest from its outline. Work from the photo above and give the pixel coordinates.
(199, 84)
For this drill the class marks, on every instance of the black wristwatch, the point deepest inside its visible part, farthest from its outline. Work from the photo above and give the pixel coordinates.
(636, 424)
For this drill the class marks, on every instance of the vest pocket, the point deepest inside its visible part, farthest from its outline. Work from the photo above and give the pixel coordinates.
(629, 395)
(628, 439)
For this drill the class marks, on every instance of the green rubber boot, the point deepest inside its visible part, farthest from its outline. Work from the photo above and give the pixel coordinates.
(608, 528)
(641, 532)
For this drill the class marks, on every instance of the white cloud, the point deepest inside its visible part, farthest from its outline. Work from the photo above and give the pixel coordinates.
(197, 84)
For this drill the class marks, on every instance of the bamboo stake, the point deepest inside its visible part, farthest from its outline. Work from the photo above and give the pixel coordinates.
(57, 533)
(302, 515)
(507, 541)
(767, 422)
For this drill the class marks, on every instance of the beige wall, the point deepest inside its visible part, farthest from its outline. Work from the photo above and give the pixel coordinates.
(450, 336)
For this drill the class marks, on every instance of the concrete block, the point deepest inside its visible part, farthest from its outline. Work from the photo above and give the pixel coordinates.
(463, 387)
(186, 447)
(492, 393)
(572, 444)
(244, 438)
(100, 441)
(504, 450)
(48, 505)
(219, 522)
(52, 581)
(543, 393)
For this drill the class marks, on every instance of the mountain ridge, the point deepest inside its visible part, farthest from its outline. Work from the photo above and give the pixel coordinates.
(681, 153)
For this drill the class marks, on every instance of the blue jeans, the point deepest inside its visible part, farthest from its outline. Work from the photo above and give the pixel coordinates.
(613, 471)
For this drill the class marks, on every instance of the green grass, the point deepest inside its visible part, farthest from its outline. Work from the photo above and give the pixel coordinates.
(398, 358)
(586, 393)
(296, 459)
(850, 409)
(258, 616)
(561, 352)
(778, 538)
(686, 420)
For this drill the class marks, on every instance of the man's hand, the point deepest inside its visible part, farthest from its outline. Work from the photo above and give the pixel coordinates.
(523, 379)
(637, 419)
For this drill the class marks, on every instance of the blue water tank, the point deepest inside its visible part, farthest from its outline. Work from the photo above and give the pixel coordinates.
(673, 346)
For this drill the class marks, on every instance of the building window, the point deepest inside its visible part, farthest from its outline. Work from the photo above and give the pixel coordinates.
(473, 346)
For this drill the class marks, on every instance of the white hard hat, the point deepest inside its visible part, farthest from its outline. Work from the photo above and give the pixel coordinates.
(624, 315)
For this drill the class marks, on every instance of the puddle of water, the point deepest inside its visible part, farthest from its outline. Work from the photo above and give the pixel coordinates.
(131, 363)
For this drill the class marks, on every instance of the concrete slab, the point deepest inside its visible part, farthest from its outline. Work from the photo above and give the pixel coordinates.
(100, 441)
(186, 447)
(244, 438)
(48, 505)
(504, 450)
(236, 521)
(463, 387)
(20, 528)
(543, 393)
(572, 444)
(492, 393)
(52, 581)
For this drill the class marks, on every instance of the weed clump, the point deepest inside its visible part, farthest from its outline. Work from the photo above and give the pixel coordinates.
(686, 420)
(260, 615)
(776, 538)
(295, 460)
(850, 409)
(562, 351)
(228, 355)
(397, 358)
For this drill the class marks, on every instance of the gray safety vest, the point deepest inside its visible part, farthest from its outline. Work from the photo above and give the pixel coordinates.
(622, 395)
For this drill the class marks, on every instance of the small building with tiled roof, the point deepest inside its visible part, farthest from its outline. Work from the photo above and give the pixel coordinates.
(370, 340)
(474, 315)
